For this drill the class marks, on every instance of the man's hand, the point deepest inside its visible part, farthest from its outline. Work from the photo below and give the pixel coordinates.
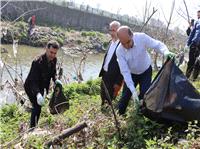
(169, 54)
(40, 99)
(135, 97)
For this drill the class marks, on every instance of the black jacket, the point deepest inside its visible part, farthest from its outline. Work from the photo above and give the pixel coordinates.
(113, 68)
(40, 76)
(188, 31)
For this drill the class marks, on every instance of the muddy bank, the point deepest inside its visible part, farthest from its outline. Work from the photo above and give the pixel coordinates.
(70, 40)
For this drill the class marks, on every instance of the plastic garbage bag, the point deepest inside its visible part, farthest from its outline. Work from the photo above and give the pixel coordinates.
(58, 102)
(171, 97)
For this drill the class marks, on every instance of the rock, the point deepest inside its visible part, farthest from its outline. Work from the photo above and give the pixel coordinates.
(182, 141)
(18, 146)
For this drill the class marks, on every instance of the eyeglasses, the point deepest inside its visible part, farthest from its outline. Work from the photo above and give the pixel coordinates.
(111, 30)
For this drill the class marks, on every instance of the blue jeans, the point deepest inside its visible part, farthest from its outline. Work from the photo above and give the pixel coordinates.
(144, 81)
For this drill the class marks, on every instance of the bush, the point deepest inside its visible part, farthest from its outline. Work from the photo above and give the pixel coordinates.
(89, 33)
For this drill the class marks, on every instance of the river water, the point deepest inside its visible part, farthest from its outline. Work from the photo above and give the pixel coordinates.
(25, 56)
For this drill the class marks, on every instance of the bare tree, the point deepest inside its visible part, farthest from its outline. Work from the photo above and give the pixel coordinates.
(168, 21)
(18, 83)
(182, 13)
(147, 17)
(79, 65)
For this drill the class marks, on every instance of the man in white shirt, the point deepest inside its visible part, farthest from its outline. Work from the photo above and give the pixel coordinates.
(135, 63)
(110, 73)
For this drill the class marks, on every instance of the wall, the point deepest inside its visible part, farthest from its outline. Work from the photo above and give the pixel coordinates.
(51, 14)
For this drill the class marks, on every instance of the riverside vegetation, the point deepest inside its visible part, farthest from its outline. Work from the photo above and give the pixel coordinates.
(137, 131)
(68, 38)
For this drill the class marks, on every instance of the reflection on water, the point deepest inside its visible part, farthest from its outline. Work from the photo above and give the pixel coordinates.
(26, 54)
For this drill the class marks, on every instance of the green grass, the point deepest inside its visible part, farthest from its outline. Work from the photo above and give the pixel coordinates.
(137, 131)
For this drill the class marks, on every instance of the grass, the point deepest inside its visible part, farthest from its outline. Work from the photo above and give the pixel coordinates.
(137, 131)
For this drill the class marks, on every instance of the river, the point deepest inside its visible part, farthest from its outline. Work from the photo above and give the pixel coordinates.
(25, 56)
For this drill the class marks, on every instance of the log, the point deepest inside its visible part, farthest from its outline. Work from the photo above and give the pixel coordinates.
(66, 133)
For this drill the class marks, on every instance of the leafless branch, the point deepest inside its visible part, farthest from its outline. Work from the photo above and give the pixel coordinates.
(66, 133)
(170, 18)
(154, 11)
(4, 5)
(25, 13)
(182, 15)
(188, 16)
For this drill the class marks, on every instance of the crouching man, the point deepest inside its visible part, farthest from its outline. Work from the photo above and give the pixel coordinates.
(42, 70)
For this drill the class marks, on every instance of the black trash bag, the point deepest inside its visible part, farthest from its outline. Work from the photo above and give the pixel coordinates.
(58, 102)
(171, 97)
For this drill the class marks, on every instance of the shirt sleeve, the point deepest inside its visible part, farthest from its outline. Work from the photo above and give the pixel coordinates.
(157, 45)
(124, 69)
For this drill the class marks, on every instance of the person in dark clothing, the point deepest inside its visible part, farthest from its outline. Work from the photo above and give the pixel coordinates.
(112, 79)
(194, 45)
(190, 27)
(42, 70)
(31, 22)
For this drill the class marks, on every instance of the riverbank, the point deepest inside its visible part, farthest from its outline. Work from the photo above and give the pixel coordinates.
(137, 131)
(69, 39)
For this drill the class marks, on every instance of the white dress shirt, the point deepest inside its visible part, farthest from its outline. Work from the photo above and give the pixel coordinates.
(136, 60)
(110, 53)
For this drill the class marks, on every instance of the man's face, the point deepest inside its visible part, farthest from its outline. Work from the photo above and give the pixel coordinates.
(126, 40)
(51, 53)
(113, 31)
(198, 15)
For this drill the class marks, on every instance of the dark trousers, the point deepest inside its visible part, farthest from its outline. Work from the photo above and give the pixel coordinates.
(193, 64)
(107, 89)
(35, 113)
(144, 81)
(108, 93)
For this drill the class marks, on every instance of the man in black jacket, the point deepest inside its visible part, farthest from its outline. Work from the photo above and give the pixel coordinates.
(194, 44)
(110, 72)
(42, 70)
(190, 27)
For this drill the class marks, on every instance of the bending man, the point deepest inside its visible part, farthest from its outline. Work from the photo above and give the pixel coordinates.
(135, 63)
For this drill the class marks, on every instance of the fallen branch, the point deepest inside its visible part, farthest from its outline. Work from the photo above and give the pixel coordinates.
(113, 111)
(16, 92)
(66, 133)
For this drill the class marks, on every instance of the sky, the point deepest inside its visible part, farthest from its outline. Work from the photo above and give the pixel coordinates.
(136, 8)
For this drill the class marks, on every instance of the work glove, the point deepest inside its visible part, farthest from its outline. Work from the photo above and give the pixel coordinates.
(40, 99)
(135, 99)
(169, 54)
(58, 82)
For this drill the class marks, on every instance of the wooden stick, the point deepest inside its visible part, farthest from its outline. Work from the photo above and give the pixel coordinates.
(66, 133)
(113, 111)
(16, 91)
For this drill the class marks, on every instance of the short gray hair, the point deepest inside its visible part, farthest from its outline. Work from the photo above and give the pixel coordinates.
(115, 23)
